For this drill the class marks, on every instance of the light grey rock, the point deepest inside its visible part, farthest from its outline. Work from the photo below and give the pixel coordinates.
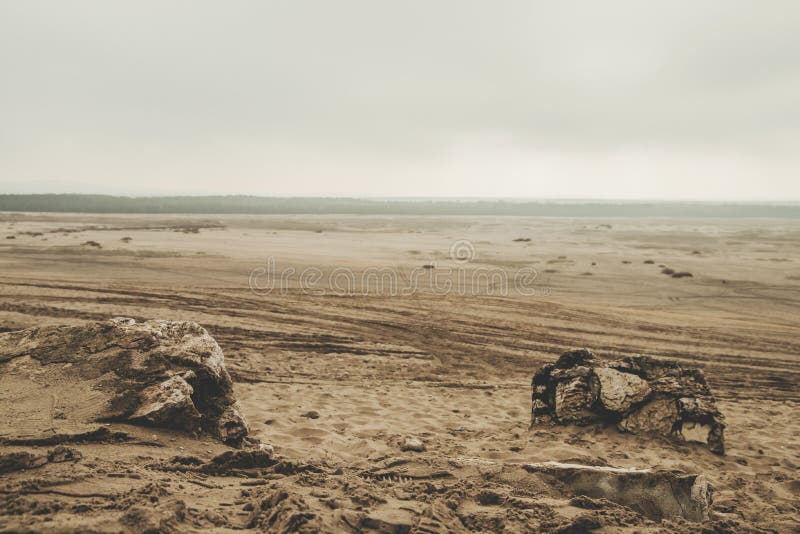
(619, 391)
(410, 443)
(67, 380)
(168, 404)
(655, 494)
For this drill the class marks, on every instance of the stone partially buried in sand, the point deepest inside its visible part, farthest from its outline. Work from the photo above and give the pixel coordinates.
(655, 494)
(638, 394)
(413, 444)
(65, 380)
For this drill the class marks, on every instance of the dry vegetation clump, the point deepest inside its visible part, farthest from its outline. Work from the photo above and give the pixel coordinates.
(676, 274)
(648, 262)
(94, 244)
(522, 240)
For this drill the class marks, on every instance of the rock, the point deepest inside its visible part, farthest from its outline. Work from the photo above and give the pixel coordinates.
(620, 391)
(657, 416)
(231, 426)
(313, 414)
(655, 494)
(638, 394)
(169, 403)
(411, 443)
(68, 380)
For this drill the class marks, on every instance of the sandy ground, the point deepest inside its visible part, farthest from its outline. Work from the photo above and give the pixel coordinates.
(358, 330)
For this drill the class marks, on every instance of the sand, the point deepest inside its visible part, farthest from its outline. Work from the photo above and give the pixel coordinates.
(400, 356)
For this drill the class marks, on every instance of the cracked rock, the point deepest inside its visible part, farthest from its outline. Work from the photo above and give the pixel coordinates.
(638, 394)
(68, 380)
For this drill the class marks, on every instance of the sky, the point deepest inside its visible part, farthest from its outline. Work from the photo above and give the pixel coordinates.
(620, 99)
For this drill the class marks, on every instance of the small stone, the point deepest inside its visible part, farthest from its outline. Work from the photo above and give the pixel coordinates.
(411, 443)
(64, 454)
(313, 414)
(620, 391)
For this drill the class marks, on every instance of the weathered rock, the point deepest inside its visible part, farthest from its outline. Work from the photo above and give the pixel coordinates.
(169, 404)
(657, 416)
(654, 494)
(66, 380)
(638, 394)
(410, 443)
(575, 394)
(619, 391)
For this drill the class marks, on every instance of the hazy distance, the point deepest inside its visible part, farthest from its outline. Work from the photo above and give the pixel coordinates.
(618, 100)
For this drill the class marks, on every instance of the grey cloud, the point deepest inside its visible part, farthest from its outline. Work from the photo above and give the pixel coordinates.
(403, 79)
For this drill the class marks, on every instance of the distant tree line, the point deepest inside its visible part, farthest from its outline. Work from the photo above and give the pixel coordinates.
(241, 204)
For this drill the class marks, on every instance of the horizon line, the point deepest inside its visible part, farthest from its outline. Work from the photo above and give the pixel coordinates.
(435, 198)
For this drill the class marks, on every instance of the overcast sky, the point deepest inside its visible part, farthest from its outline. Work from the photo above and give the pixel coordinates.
(613, 99)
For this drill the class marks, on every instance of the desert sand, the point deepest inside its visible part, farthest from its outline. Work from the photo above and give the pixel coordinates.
(335, 377)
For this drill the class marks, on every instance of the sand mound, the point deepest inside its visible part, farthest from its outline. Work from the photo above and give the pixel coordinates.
(638, 394)
(60, 383)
